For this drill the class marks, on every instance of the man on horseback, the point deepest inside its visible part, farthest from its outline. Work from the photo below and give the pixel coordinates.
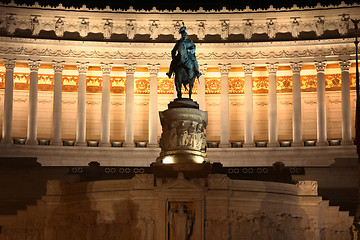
(184, 63)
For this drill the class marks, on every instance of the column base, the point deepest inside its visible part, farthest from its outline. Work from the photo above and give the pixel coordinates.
(129, 145)
(105, 144)
(31, 142)
(56, 143)
(81, 144)
(224, 145)
(322, 144)
(273, 144)
(7, 141)
(152, 145)
(347, 142)
(297, 144)
(248, 145)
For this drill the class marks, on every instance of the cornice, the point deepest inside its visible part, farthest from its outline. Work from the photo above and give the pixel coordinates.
(224, 10)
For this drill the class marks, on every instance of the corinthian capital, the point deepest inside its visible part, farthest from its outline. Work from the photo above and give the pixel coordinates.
(130, 68)
(34, 65)
(272, 67)
(153, 68)
(203, 68)
(58, 66)
(9, 63)
(344, 65)
(248, 68)
(106, 67)
(296, 67)
(224, 68)
(320, 66)
(82, 66)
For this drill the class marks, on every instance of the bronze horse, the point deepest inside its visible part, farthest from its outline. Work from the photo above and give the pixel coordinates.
(184, 63)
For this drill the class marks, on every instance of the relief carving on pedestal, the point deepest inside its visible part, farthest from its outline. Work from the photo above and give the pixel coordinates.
(184, 133)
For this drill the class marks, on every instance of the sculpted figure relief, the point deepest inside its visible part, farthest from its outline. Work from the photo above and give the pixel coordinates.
(130, 29)
(84, 28)
(154, 30)
(11, 24)
(271, 30)
(35, 26)
(181, 223)
(344, 24)
(107, 29)
(184, 63)
(59, 27)
(248, 31)
(319, 26)
(295, 28)
(201, 30)
(224, 29)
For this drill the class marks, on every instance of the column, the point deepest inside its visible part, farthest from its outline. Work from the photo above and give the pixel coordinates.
(345, 103)
(249, 111)
(296, 115)
(272, 110)
(57, 103)
(321, 104)
(129, 105)
(224, 106)
(33, 103)
(201, 87)
(81, 105)
(153, 105)
(105, 105)
(8, 101)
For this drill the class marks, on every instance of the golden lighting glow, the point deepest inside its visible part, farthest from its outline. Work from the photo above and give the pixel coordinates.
(168, 160)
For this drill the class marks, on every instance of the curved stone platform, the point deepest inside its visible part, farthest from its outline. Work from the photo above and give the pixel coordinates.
(216, 207)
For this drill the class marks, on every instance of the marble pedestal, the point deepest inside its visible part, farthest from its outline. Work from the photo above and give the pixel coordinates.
(183, 140)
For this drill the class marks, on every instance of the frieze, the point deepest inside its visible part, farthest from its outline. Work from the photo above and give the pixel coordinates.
(20, 100)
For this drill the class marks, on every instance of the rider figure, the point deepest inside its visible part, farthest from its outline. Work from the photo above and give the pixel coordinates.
(190, 59)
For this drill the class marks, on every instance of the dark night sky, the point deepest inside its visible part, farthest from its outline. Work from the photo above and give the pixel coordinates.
(183, 4)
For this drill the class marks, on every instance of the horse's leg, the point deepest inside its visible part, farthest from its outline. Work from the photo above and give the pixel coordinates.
(190, 89)
(178, 86)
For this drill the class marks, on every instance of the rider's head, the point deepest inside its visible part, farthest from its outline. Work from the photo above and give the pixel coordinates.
(182, 31)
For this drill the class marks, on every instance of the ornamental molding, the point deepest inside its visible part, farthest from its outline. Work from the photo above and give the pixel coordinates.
(107, 9)
(246, 22)
(307, 188)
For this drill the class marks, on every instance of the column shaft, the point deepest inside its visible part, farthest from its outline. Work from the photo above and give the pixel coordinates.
(272, 110)
(296, 115)
(57, 103)
(153, 105)
(345, 103)
(81, 105)
(8, 101)
(201, 88)
(321, 105)
(129, 106)
(224, 106)
(105, 106)
(249, 110)
(33, 103)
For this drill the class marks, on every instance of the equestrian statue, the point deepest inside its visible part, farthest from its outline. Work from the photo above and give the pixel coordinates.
(184, 64)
